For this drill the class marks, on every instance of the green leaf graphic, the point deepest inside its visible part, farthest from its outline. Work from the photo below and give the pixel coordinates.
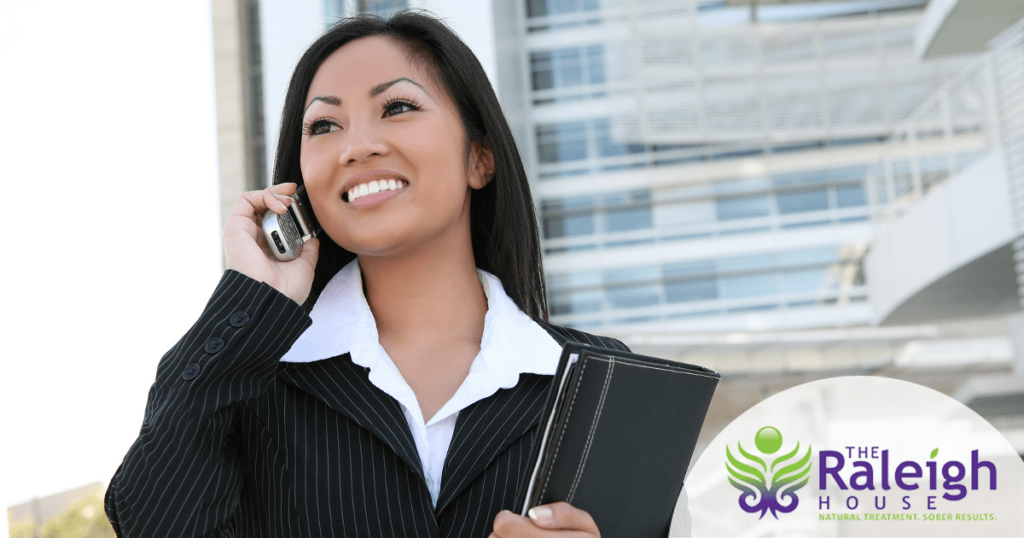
(759, 481)
(794, 472)
(934, 453)
(751, 457)
(785, 457)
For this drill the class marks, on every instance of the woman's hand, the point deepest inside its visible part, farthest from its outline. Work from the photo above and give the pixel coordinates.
(556, 520)
(246, 249)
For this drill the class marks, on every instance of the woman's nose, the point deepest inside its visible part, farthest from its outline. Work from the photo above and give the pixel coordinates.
(362, 142)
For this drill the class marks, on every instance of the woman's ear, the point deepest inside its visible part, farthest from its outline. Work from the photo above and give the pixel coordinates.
(483, 166)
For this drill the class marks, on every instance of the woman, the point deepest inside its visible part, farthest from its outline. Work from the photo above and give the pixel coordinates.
(405, 402)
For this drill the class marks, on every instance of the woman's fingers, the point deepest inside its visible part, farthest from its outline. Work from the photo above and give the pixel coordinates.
(562, 516)
(246, 249)
(557, 520)
(255, 203)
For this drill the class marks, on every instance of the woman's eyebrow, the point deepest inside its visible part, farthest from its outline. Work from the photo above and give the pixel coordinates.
(378, 89)
(329, 99)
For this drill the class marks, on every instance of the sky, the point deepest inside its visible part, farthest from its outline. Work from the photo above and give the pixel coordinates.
(108, 156)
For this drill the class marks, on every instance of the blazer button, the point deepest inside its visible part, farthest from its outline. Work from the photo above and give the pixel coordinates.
(214, 345)
(191, 372)
(239, 319)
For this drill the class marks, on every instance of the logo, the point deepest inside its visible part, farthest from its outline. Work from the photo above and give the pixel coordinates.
(768, 486)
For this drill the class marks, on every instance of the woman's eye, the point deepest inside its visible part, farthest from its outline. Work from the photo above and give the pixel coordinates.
(323, 127)
(398, 107)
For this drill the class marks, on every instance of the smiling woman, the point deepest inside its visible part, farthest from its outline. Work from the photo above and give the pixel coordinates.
(402, 397)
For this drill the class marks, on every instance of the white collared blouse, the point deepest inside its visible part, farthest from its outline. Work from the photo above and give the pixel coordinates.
(512, 344)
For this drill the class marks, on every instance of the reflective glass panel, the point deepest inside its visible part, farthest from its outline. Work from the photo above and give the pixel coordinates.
(804, 281)
(575, 302)
(674, 215)
(562, 142)
(609, 147)
(568, 225)
(625, 220)
(691, 290)
(852, 196)
(746, 263)
(698, 267)
(742, 208)
(541, 70)
(799, 202)
(630, 274)
(633, 296)
(757, 285)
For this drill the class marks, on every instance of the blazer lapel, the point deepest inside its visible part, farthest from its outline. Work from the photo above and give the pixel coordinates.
(346, 388)
(486, 428)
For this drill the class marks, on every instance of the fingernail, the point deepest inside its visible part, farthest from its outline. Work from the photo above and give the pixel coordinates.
(540, 513)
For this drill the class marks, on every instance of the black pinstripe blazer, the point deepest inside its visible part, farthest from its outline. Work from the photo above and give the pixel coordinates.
(236, 443)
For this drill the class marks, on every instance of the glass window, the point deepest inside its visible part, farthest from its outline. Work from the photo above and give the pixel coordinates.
(625, 220)
(691, 290)
(699, 267)
(542, 70)
(381, 8)
(747, 263)
(806, 257)
(543, 8)
(568, 68)
(595, 64)
(801, 201)
(579, 302)
(569, 225)
(804, 280)
(572, 202)
(758, 285)
(609, 147)
(631, 274)
(851, 196)
(562, 142)
(633, 296)
(849, 173)
(575, 279)
(675, 215)
(742, 208)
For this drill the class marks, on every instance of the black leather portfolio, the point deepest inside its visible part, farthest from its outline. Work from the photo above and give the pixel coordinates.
(616, 438)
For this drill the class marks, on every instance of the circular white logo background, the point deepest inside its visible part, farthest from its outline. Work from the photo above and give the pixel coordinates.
(857, 456)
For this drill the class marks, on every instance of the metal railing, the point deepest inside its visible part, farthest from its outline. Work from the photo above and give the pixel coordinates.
(979, 110)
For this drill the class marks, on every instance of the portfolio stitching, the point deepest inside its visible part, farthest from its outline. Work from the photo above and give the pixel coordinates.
(562, 435)
(593, 427)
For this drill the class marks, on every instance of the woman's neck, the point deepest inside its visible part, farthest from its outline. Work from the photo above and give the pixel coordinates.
(430, 297)
(429, 309)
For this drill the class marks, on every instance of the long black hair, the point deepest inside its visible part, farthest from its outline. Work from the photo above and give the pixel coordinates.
(503, 224)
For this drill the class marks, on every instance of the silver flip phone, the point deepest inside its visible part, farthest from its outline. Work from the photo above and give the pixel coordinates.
(286, 233)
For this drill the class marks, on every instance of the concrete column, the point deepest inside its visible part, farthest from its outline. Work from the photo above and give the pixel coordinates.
(236, 153)
(1016, 324)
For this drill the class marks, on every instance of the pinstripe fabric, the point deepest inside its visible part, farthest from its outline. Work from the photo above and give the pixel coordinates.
(254, 447)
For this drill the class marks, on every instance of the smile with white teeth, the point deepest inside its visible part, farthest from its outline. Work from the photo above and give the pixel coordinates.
(374, 187)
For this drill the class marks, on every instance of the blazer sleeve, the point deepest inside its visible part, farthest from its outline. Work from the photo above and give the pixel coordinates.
(183, 475)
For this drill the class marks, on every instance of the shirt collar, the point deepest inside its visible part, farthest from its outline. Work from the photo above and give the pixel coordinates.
(512, 342)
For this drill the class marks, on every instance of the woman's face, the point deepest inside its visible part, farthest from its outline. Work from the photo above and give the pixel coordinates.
(384, 153)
